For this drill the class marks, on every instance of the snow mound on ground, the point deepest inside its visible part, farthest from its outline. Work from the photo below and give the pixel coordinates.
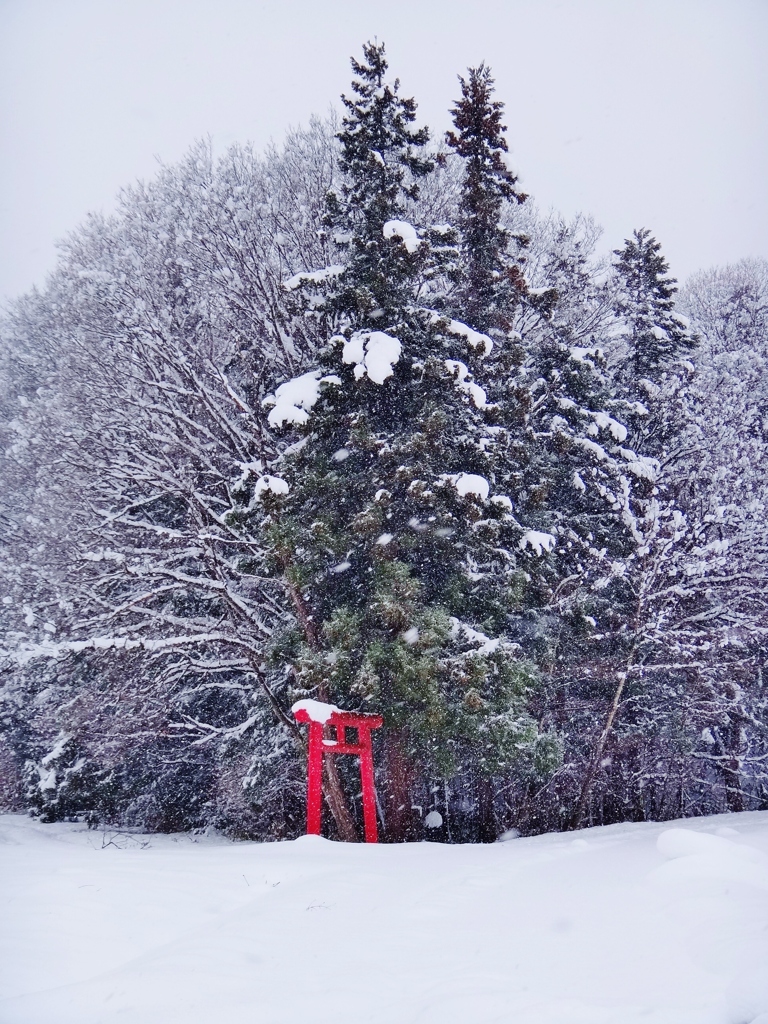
(697, 855)
(554, 929)
(702, 870)
(683, 842)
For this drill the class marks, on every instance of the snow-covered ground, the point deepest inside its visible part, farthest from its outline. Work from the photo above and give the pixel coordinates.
(630, 924)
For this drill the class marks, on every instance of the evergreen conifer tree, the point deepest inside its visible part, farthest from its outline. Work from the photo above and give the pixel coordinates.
(656, 334)
(638, 408)
(580, 487)
(652, 375)
(383, 524)
(489, 286)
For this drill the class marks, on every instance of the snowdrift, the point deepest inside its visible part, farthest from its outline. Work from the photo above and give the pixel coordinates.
(628, 924)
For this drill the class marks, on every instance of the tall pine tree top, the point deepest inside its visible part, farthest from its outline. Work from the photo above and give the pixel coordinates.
(488, 183)
(655, 338)
(646, 303)
(381, 160)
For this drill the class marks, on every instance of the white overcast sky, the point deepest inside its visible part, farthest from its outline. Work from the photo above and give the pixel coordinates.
(644, 113)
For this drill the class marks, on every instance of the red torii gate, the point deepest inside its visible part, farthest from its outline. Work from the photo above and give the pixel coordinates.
(318, 716)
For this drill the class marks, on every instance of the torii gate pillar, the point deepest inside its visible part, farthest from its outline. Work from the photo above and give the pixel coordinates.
(318, 716)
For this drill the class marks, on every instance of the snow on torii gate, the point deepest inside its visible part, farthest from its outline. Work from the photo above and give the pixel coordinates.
(319, 715)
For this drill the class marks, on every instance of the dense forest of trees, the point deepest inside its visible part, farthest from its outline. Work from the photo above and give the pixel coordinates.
(354, 420)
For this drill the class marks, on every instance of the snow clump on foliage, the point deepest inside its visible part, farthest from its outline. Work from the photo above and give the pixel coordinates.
(540, 542)
(475, 339)
(475, 392)
(403, 230)
(469, 483)
(461, 629)
(313, 277)
(373, 353)
(269, 483)
(293, 400)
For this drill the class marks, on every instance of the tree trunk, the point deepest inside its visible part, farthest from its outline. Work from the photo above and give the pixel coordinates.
(594, 764)
(731, 766)
(337, 804)
(332, 788)
(486, 826)
(400, 823)
(734, 796)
